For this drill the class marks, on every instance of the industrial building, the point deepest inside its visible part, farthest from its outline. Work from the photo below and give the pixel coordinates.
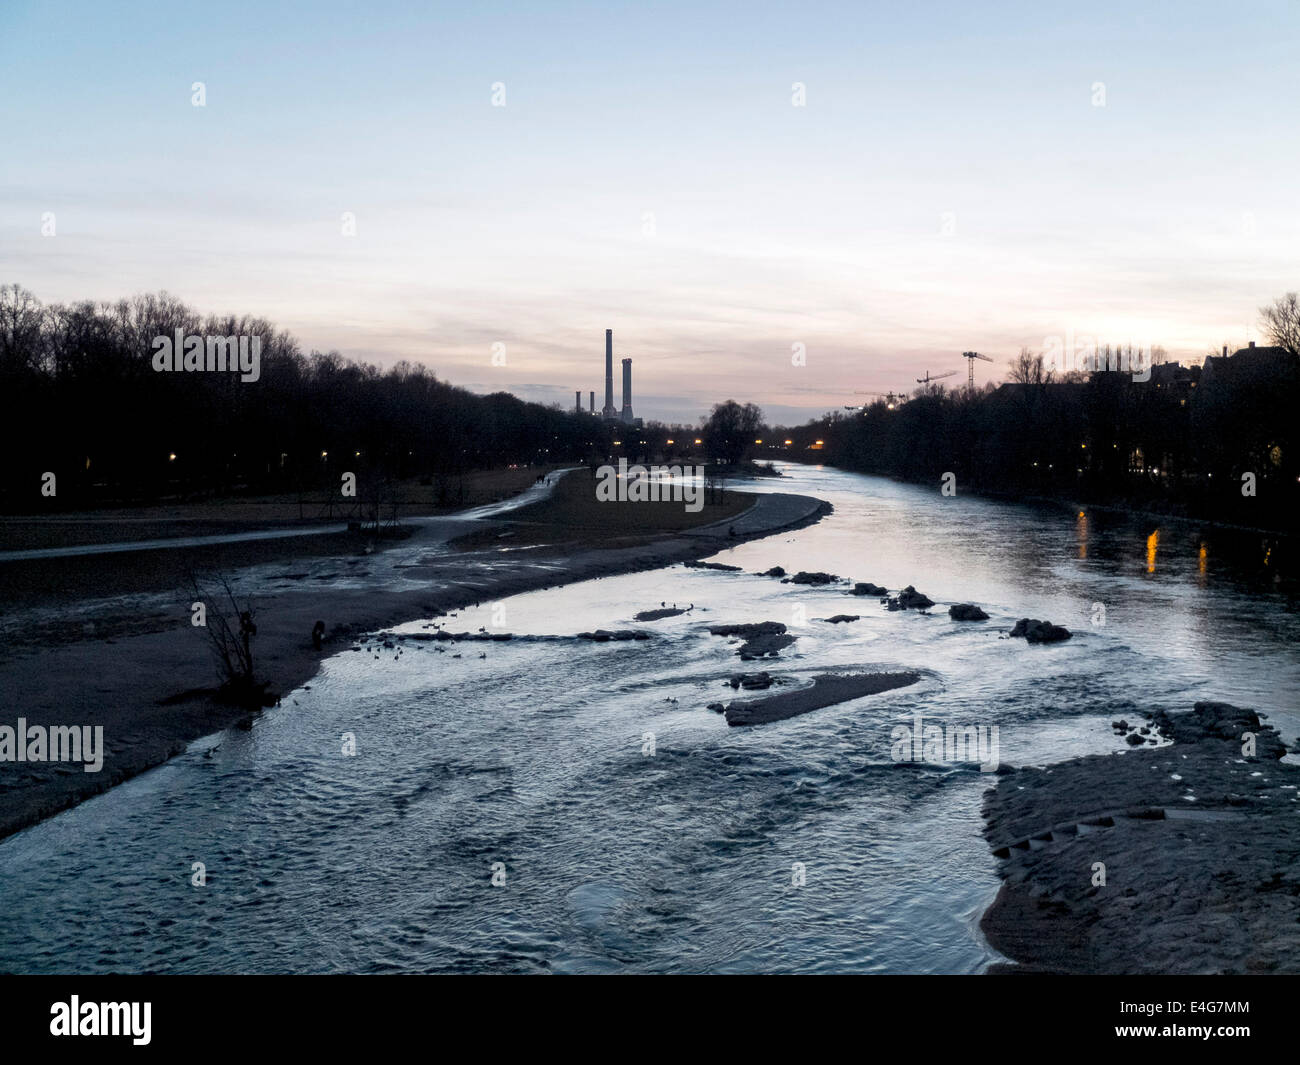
(609, 412)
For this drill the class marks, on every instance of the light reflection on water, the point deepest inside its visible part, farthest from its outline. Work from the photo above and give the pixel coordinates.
(617, 860)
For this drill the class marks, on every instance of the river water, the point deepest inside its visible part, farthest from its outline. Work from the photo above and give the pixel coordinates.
(556, 805)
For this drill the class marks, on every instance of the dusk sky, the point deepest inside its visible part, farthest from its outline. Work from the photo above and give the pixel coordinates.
(951, 182)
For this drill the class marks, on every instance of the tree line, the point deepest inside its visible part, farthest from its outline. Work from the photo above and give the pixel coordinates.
(1220, 441)
(80, 398)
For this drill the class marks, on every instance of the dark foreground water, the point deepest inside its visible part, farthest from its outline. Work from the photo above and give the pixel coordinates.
(629, 828)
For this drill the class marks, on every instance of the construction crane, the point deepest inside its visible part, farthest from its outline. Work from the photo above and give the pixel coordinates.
(934, 377)
(970, 357)
(891, 398)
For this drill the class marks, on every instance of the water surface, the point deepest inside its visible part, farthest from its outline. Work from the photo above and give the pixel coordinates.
(536, 761)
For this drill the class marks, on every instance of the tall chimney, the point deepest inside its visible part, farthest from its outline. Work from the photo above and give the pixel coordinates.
(577, 401)
(1225, 351)
(609, 411)
(627, 390)
(593, 401)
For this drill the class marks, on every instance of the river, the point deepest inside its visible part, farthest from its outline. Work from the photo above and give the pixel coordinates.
(566, 806)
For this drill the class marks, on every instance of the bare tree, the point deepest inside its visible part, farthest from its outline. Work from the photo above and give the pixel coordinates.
(1028, 368)
(21, 322)
(230, 639)
(1281, 322)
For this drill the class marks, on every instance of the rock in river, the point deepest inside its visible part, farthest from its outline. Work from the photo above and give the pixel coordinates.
(867, 588)
(826, 690)
(605, 635)
(761, 638)
(910, 599)
(1036, 631)
(656, 615)
(805, 577)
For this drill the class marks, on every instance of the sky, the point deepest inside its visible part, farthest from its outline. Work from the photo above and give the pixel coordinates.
(880, 186)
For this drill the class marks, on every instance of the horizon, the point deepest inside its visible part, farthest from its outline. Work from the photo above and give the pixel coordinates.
(664, 184)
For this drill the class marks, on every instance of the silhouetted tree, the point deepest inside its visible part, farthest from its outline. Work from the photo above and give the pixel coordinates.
(126, 433)
(730, 430)
(1281, 320)
(1178, 441)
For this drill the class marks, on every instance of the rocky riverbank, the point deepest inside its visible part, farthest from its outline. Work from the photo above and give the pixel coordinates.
(1182, 857)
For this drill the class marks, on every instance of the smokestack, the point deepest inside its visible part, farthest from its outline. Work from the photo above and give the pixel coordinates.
(627, 390)
(609, 411)
(577, 401)
(1225, 351)
(593, 401)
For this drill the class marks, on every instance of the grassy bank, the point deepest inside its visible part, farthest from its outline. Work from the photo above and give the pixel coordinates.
(572, 515)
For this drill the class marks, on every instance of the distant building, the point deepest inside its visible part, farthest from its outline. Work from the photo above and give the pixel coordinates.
(1176, 378)
(609, 412)
(626, 416)
(1249, 360)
